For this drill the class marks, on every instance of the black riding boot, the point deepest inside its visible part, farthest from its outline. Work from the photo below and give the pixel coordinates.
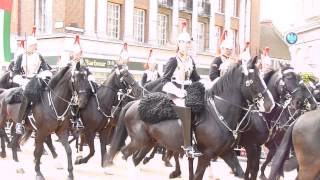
(22, 114)
(76, 121)
(184, 114)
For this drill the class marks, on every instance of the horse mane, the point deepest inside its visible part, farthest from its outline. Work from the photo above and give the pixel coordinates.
(4, 77)
(225, 80)
(57, 77)
(268, 76)
(109, 78)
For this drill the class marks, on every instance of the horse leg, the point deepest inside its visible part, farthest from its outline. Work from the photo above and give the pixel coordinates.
(231, 159)
(48, 141)
(38, 151)
(103, 143)
(3, 143)
(131, 148)
(15, 144)
(142, 153)
(203, 163)
(89, 137)
(147, 159)
(166, 157)
(177, 172)
(63, 136)
(272, 150)
(253, 156)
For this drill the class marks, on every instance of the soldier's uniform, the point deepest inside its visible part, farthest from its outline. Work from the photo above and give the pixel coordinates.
(179, 73)
(221, 63)
(26, 66)
(151, 73)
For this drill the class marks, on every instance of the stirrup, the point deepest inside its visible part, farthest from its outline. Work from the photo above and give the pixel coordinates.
(191, 152)
(19, 128)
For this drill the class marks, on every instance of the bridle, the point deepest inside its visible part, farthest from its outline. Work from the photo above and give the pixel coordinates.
(256, 98)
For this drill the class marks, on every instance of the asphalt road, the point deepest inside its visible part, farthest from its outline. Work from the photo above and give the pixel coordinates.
(122, 170)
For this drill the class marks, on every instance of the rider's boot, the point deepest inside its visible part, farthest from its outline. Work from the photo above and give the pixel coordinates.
(21, 116)
(184, 114)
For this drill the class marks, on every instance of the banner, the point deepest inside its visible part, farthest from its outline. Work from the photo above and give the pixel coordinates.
(5, 21)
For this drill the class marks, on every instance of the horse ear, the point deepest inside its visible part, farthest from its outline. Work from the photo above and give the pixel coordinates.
(252, 63)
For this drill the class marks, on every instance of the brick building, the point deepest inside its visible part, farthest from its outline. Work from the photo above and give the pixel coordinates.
(104, 25)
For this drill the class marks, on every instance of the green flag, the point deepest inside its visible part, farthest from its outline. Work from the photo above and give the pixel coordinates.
(5, 21)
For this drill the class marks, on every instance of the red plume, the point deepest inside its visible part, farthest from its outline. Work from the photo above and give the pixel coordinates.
(33, 32)
(125, 46)
(247, 45)
(21, 44)
(266, 51)
(146, 65)
(184, 26)
(77, 40)
(222, 38)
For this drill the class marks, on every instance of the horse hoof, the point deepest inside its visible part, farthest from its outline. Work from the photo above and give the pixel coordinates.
(107, 163)
(145, 161)
(78, 160)
(3, 154)
(20, 171)
(168, 164)
(263, 177)
(174, 175)
(39, 177)
(70, 178)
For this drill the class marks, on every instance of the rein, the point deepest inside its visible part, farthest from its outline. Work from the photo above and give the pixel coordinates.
(222, 120)
(73, 100)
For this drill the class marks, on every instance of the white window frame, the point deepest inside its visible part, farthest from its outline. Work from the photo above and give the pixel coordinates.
(44, 16)
(201, 36)
(219, 31)
(113, 20)
(162, 29)
(139, 22)
(220, 6)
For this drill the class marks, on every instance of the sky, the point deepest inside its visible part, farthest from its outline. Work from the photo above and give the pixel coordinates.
(281, 12)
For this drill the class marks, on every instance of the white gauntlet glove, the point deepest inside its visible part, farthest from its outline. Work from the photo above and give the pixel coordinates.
(91, 78)
(45, 74)
(169, 87)
(20, 80)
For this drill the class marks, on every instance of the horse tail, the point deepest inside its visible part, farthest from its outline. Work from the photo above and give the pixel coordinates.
(25, 136)
(120, 135)
(281, 154)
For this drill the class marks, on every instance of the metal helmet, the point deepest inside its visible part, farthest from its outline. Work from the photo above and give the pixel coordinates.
(31, 40)
(226, 44)
(184, 36)
(76, 48)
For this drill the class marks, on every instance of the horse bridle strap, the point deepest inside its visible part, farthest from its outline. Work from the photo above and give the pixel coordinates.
(222, 120)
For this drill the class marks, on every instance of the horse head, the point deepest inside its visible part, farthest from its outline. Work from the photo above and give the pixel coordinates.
(123, 79)
(80, 85)
(290, 87)
(254, 88)
(129, 81)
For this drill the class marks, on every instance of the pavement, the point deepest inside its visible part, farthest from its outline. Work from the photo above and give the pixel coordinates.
(122, 170)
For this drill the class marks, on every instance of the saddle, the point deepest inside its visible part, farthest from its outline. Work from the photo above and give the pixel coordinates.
(15, 96)
(33, 89)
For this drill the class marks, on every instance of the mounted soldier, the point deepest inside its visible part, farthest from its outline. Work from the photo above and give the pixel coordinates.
(76, 59)
(27, 65)
(266, 62)
(151, 73)
(221, 63)
(123, 60)
(179, 73)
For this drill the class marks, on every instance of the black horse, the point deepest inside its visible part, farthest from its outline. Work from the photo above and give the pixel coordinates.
(7, 83)
(288, 91)
(52, 111)
(97, 114)
(215, 135)
(304, 136)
